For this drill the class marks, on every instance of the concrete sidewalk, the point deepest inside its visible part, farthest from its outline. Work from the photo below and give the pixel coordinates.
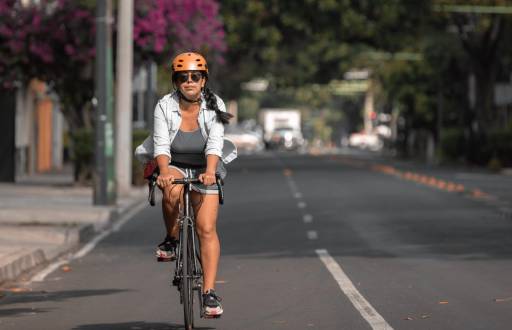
(44, 216)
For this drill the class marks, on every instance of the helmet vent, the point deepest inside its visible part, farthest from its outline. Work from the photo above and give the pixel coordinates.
(199, 64)
(180, 60)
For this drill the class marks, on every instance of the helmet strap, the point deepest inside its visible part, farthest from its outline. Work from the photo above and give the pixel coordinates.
(180, 94)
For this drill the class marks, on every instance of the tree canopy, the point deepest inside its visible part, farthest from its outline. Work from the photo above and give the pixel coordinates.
(314, 41)
(55, 42)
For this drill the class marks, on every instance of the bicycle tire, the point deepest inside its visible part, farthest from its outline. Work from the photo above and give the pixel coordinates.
(188, 259)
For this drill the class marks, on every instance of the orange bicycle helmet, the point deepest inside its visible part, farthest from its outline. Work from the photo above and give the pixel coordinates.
(188, 62)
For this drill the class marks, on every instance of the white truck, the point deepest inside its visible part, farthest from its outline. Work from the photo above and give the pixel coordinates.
(281, 128)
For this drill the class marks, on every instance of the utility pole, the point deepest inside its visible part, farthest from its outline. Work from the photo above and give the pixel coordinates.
(124, 96)
(104, 184)
(149, 97)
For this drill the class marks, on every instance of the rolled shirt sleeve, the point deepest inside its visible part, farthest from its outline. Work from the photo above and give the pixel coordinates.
(161, 139)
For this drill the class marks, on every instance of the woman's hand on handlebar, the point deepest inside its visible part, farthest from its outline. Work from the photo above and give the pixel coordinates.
(164, 180)
(207, 178)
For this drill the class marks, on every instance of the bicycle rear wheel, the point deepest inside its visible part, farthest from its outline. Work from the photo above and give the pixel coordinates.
(188, 272)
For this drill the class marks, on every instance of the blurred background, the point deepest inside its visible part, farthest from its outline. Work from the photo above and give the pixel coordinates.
(370, 133)
(429, 79)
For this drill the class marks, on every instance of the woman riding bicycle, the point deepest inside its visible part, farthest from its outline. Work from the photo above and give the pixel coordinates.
(188, 141)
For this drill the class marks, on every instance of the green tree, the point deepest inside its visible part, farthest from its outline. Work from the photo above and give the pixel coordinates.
(313, 41)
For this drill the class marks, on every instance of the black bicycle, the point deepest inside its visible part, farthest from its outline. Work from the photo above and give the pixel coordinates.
(188, 274)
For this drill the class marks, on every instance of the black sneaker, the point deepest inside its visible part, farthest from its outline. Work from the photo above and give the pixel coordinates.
(166, 251)
(211, 304)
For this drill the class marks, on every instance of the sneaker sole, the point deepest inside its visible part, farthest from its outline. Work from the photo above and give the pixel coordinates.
(161, 259)
(211, 313)
(212, 316)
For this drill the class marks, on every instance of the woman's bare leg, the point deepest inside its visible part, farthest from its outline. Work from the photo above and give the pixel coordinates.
(171, 198)
(205, 209)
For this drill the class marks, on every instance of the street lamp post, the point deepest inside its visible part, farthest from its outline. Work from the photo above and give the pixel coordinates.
(124, 97)
(104, 184)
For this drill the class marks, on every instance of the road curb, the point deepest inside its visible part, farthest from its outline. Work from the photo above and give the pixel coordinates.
(22, 262)
(29, 260)
(500, 206)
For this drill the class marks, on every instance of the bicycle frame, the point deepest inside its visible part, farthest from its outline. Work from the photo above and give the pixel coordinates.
(188, 272)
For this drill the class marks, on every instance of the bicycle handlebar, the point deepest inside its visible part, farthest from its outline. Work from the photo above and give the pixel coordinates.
(186, 180)
(152, 185)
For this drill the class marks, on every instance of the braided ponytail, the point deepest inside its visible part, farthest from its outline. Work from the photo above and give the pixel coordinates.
(211, 103)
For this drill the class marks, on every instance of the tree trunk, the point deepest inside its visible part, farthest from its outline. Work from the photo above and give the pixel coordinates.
(482, 48)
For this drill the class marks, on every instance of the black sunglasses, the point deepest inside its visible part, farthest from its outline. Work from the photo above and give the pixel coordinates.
(182, 77)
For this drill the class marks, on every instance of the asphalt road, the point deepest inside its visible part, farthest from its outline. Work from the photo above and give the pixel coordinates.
(395, 254)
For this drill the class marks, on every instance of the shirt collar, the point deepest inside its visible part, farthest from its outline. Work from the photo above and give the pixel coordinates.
(176, 100)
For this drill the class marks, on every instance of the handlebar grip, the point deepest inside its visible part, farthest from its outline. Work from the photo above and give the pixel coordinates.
(151, 197)
(221, 191)
(152, 186)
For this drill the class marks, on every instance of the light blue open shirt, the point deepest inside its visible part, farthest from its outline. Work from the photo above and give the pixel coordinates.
(167, 122)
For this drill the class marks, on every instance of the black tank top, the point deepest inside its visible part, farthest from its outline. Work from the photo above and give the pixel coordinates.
(187, 149)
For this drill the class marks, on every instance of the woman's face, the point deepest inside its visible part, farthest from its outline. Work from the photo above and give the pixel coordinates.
(190, 83)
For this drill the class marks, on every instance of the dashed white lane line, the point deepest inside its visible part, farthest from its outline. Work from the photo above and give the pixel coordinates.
(307, 218)
(301, 205)
(298, 195)
(292, 185)
(39, 277)
(312, 234)
(366, 310)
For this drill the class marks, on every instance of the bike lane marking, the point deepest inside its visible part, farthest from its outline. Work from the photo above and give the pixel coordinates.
(362, 305)
(312, 234)
(307, 218)
(374, 319)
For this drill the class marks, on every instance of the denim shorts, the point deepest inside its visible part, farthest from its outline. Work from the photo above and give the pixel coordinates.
(194, 173)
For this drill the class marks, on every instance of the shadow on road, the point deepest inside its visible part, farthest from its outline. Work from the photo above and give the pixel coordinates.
(24, 311)
(134, 325)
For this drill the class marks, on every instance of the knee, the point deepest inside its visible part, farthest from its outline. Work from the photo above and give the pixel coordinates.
(206, 231)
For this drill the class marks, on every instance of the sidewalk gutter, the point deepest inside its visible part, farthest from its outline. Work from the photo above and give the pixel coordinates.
(50, 239)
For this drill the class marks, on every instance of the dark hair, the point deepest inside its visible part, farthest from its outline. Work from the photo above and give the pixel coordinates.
(211, 103)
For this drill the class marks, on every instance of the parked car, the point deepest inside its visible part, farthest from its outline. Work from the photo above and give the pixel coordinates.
(365, 141)
(286, 138)
(244, 140)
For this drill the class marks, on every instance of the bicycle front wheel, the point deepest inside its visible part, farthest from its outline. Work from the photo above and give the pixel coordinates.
(188, 276)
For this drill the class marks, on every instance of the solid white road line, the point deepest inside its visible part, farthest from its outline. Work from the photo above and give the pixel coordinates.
(366, 310)
(39, 277)
(307, 218)
(312, 234)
